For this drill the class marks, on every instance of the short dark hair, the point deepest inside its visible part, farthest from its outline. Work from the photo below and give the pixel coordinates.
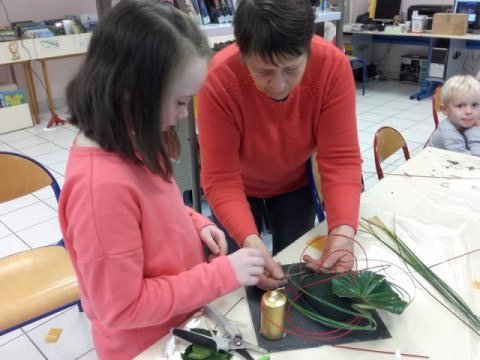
(271, 28)
(135, 54)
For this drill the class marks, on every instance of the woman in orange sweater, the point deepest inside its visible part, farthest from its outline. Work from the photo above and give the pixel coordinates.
(270, 101)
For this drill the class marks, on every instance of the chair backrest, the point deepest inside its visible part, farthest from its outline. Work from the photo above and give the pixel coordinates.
(36, 282)
(387, 142)
(314, 182)
(21, 175)
(436, 105)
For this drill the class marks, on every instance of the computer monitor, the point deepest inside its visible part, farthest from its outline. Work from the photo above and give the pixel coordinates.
(470, 7)
(385, 10)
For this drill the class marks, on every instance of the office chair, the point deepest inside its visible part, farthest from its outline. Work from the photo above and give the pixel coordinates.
(387, 142)
(38, 282)
(436, 105)
(315, 186)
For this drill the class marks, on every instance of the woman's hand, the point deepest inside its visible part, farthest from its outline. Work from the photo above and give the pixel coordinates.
(214, 239)
(273, 276)
(338, 254)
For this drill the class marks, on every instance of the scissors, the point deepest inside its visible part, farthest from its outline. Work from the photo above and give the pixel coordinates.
(231, 341)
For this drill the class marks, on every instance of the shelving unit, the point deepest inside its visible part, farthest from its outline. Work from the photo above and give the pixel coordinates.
(15, 118)
(58, 47)
(25, 115)
(61, 46)
(216, 30)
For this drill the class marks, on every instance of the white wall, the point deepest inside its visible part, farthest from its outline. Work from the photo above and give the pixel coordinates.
(356, 7)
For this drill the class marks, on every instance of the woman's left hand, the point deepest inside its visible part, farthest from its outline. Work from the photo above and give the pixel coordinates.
(338, 253)
(214, 239)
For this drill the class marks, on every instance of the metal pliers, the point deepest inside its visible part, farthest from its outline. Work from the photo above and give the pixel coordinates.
(231, 341)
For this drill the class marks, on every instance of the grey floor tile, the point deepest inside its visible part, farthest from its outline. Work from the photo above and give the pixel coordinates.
(4, 231)
(69, 345)
(20, 348)
(11, 244)
(45, 233)
(16, 204)
(28, 216)
(10, 336)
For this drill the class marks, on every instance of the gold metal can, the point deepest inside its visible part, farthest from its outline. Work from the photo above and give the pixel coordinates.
(273, 314)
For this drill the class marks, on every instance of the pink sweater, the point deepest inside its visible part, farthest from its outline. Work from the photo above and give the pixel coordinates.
(136, 250)
(252, 145)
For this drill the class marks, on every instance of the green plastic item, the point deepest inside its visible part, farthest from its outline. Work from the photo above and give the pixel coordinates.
(200, 352)
(264, 357)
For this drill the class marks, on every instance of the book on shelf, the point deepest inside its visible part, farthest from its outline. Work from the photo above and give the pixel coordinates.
(12, 98)
(203, 12)
(227, 13)
(56, 26)
(71, 26)
(38, 33)
(21, 27)
(215, 11)
(231, 7)
(88, 21)
(8, 35)
(191, 8)
(8, 86)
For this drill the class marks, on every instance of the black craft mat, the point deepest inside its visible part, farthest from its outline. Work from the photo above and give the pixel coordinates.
(291, 342)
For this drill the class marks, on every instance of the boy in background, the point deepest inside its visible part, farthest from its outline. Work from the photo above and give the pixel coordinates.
(460, 102)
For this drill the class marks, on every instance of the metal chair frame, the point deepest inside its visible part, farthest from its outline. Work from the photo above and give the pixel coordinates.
(356, 59)
(436, 105)
(314, 186)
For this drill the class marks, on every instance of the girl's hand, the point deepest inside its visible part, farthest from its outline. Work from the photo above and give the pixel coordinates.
(273, 276)
(214, 239)
(248, 265)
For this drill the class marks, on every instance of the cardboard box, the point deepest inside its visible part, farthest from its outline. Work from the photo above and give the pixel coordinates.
(450, 24)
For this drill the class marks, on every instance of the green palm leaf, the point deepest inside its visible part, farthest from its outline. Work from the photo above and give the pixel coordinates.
(369, 290)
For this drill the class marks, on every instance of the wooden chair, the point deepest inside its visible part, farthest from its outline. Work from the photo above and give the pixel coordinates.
(436, 105)
(387, 142)
(38, 282)
(315, 186)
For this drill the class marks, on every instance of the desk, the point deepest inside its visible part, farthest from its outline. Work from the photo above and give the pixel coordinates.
(456, 46)
(439, 219)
